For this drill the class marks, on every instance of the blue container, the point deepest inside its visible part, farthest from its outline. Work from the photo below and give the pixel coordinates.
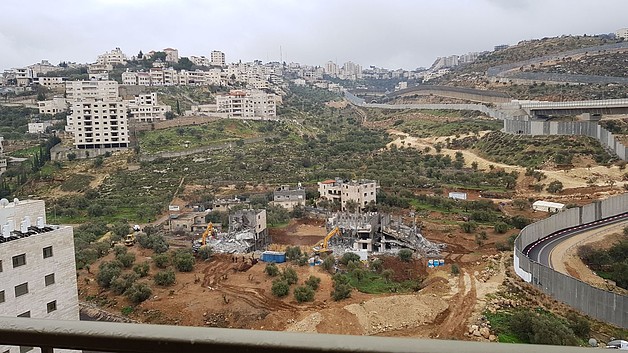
(274, 256)
(430, 263)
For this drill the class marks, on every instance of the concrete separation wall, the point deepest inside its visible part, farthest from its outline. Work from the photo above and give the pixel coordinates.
(595, 302)
(584, 128)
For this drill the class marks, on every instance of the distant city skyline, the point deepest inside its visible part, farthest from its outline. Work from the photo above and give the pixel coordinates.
(392, 34)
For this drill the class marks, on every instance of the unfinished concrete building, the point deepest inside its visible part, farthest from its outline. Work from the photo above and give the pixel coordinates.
(377, 232)
(248, 228)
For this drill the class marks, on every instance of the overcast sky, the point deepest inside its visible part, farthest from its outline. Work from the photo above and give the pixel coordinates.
(386, 33)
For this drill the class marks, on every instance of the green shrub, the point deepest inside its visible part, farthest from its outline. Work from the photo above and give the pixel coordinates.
(120, 284)
(142, 269)
(500, 227)
(138, 292)
(280, 288)
(302, 261)
(341, 291)
(541, 328)
(349, 256)
(555, 187)
(107, 272)
(469, 227)
(183, 261)
(455, 270)
(579, 325)
(161, 260)
(329, 264)
(205, 252)
(290, 275)
(405, 255)
(126, 259)
(304, 294)
(293, 253)
(313, 282)
(271, 270)
(120, 250)
(164, 278)
(377, 265)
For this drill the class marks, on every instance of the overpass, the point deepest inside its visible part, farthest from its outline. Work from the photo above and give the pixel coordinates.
(600, 107)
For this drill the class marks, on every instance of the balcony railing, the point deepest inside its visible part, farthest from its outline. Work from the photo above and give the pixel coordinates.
(119, 337)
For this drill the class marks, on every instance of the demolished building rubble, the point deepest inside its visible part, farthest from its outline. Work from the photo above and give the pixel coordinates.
(377, 232)
(247, 232)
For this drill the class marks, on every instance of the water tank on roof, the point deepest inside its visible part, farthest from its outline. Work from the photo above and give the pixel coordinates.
(27, 220)
(16, 201)
(5, 231)
(40, 222)
(23, 227)
(4, 203)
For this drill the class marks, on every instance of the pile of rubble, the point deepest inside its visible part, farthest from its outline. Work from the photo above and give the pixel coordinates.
(231, 243)
(481, 330)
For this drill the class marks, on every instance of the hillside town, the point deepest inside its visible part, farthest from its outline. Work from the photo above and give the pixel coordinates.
(464, 201)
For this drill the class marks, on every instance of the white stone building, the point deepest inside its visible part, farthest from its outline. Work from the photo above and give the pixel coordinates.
(289, 198)
(172, 55)
(622, 33)
(361, 191)
(217, 58)
(37, 266)
(80, 90)
(200, 60)
(53, 106)
(38, 127)
(146, 108)
(114, 57)
(98, 124)
(247, 103)
(3, 160)
(50, 82)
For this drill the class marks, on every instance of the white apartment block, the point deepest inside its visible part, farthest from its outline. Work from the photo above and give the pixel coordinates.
(53, 106)
(37, 266)
(50, 82)
(622, 33)
(217, 58)
(200, 60)
(98, 124)
(81, 90)
(114, 57)
(146, 108)
(172, 55)
(247, 104)
(38, 128)
(331, 68)
(43, 67)
(361, 191)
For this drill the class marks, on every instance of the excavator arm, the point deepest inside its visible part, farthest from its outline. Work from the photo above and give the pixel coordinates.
(322, 247)
(208, 231)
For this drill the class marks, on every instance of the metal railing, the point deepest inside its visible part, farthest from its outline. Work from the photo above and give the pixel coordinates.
(119, 337)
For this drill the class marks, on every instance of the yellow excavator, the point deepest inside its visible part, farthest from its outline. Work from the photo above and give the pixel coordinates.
(208, 231)
(322, 246)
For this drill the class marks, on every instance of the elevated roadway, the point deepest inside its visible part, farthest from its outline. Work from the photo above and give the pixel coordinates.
(541, 250)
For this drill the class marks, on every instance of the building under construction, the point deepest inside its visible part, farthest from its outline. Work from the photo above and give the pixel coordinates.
(377, 232)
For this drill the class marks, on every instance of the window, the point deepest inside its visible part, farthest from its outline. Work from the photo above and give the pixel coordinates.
(49, 279)
(21, 289)
(47, 252)
(52, 306)
(1, 296)
(19, 260)
(26, 314)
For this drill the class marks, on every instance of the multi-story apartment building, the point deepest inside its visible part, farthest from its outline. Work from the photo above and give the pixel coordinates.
(200, 60)
(53, 106)
(114, 57)
(98, 124)
(289, 198)
(217, 58)
(172, 55)
(622, 33)
(80, 90)
(37, 267)
(361, 191)
(146, 108)
(331, 69)
(50, 82)
(247, 103)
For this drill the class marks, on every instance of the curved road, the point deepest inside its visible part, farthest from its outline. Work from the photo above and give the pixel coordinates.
(540, 251)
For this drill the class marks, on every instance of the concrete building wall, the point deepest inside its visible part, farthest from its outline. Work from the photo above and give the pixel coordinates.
(64, 289)
(600, 304)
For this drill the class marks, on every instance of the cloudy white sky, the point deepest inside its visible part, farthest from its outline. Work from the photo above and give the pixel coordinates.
(386, 33)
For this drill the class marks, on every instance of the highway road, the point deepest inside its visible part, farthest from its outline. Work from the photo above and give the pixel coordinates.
(540, 251)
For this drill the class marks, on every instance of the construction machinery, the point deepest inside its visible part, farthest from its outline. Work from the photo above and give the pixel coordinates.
(129, 240)
(203, 241)
(322, 246)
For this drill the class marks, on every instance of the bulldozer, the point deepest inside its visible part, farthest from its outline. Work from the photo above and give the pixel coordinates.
(129, 240)
(321, 248)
